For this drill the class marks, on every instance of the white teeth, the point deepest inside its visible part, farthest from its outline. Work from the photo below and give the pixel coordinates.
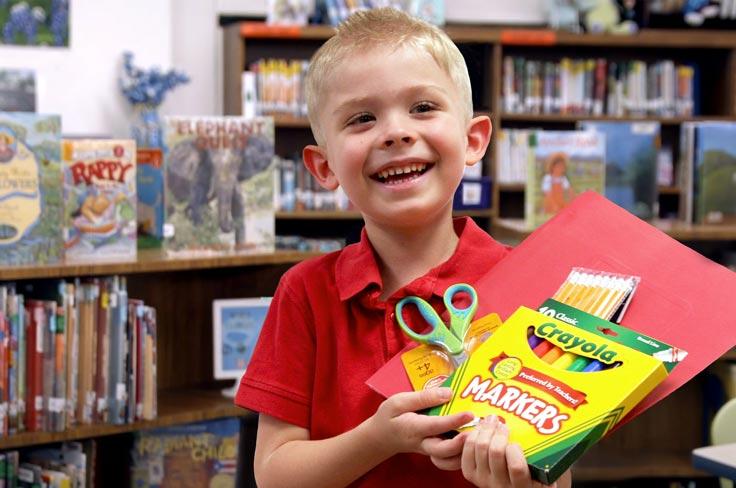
(401, 170)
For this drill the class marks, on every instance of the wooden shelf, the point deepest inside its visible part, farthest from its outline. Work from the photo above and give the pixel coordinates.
(149, 261)
(677, 230)
(569, 119)
(175, 407)
(289, 121)
(607, 466)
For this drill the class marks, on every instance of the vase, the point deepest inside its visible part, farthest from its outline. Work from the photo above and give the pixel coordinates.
(146, 128)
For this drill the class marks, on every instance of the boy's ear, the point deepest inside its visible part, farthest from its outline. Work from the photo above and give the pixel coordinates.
(479, 136)
(315, 159)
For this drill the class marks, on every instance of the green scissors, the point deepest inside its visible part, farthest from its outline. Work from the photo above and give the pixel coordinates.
(452, 339)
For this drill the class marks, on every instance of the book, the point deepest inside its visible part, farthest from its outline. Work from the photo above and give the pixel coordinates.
(17, 90)
(192, 455)
(714, 176)
(30, 189)
(150, 187)
(561, 164)
(631, 164)
(219, 184)
(99, 199)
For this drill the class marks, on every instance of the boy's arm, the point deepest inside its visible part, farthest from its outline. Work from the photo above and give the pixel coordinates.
(285, 456)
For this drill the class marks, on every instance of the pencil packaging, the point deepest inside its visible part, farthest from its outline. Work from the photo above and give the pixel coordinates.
(555, 411)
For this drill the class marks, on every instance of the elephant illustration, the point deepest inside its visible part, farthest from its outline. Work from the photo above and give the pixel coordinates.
(197, 176)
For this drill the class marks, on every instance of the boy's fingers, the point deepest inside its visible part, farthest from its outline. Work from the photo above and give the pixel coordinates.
(447, 464)
(467, 459)
(517, 466)
(497, 455)
(443, 448)
(433, 426)
(419, 400)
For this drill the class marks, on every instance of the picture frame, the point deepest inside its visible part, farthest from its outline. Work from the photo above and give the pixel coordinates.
(236, 324)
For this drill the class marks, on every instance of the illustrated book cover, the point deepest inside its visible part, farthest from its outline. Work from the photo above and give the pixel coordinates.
(150, 179)
(714, 176)
(99, 199)
(219, 184)
(187, 456)
(561, 165)
(631, 164)
(30, 189)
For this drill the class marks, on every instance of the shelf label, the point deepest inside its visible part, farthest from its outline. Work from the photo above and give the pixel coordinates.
(261, 29)
(529, 37)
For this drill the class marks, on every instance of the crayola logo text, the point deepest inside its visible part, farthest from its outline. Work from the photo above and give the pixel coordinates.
(544, 417)
(568, 341)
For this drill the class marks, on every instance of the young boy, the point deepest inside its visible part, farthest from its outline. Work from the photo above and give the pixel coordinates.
(390, 108)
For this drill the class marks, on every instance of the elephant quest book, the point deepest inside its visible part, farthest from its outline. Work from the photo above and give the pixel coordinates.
(219, 182)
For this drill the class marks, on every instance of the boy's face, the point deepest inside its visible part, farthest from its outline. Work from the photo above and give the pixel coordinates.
(395, 136)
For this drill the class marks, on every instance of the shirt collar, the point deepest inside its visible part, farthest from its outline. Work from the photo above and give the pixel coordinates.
(475, 254)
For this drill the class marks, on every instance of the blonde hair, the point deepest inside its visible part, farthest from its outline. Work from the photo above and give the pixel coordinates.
(383, 27)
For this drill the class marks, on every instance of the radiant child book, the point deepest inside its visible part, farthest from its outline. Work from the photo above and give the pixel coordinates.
(99, 199)
(219, 184)
(30, 189)
(187, 456)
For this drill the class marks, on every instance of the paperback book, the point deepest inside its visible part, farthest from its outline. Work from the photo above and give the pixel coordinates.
(631, 164)
(182, 456)
(714, 168)
(561, 165)
(99, 199)
(30, 189)
(219, 184)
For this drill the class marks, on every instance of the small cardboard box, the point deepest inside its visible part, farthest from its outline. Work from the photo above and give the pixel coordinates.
(555, 414)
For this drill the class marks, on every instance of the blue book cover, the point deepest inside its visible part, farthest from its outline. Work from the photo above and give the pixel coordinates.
(191, 455)
(31, 205)
(631, 164)
(150, 186)
(714, 168)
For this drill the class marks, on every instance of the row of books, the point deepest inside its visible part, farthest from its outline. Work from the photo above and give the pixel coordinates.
(88, 200)
(78, 353)
(599, 87)
(620, 160)
(275, 86)
(70, 465)
(296, 189)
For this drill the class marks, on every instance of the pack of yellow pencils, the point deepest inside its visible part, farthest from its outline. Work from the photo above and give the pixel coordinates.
(559, 379)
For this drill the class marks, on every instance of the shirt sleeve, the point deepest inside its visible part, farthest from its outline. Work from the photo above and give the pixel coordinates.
(278, 380)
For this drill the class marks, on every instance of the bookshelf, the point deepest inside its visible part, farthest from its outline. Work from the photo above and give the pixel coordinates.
(648, 447)
(484, 49)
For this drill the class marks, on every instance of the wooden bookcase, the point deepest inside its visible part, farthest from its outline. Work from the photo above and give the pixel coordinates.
(182, 291)
(659, 443)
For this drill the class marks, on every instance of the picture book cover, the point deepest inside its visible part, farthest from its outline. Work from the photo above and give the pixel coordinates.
(150, 180)
(219, 184)
(631, 164)
(99, 199)
(561, 165)
(17, 90)
(31, 204)
(715, 173)
(196, 455)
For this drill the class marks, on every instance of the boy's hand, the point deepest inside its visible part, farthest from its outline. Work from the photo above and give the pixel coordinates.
(397, 428)
(488, 460)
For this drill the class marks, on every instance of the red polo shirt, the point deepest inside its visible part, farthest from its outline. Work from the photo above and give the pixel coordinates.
(327, 331)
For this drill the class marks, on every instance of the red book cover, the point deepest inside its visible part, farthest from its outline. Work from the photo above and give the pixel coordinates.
(34, 365)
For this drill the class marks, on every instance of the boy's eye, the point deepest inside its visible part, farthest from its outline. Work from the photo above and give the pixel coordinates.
(422, 107)
(363, 118)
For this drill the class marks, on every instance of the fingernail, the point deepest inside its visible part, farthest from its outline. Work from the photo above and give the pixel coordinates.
(502, 428)
(444, 392)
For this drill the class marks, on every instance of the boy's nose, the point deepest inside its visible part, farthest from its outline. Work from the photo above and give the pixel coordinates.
(390, 141)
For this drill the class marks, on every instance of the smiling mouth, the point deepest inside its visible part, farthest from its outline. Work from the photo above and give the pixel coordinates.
(401, 174)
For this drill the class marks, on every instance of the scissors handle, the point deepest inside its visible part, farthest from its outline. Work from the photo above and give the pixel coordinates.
(439, 335)
(460, 318)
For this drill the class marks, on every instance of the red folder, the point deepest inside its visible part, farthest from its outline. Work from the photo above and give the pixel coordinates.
(683, 298)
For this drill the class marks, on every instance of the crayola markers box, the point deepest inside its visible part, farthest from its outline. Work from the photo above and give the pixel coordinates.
(555, 414)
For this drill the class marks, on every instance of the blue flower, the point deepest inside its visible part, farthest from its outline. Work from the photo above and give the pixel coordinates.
(147, 87)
